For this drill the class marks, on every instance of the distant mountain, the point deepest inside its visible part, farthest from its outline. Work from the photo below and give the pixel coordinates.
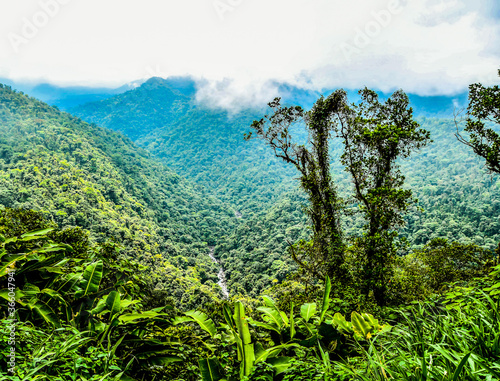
(68, 97)
(437, 106)
(205, 145)
(140, 111)
(64, 97)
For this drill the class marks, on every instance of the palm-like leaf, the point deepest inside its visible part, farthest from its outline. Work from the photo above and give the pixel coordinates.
(91, 279)
(210, 369)
(307, 311)
(113, 302)
(201, 319)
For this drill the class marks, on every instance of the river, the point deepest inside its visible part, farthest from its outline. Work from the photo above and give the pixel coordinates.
(221, 275)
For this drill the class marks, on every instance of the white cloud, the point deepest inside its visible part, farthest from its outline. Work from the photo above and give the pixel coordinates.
(428, 47)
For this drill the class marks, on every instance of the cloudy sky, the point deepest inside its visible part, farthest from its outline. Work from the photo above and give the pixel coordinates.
(240, 47)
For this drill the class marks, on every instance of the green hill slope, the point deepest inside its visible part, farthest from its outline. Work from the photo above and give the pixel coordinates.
(204, 145)
(83, 175)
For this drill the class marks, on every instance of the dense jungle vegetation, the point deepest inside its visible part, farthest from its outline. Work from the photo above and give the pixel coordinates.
(335, 271)
(83, 175)
(457, 200)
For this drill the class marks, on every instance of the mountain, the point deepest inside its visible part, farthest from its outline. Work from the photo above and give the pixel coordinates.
(87, 176)
(442, 106)
(65, 97)
(68, 97)
(149, 113)
(205, 145)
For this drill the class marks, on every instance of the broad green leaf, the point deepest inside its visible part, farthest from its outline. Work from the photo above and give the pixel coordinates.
(51, 247)
(54, 295)
(210, 369)
(340, 322)
(326, 298)
(360, 325)
(91, 279)
(45, 312)
(276, 350)
(113, 302)
(126, 303)
(10, 262)
(292, 323)
(370, 319)
(284, 318)
(280, 364)
(241, 323)
(269, 302)
(246, 349)
(101, 305)
(228, 317)
(260, 353)
(4, 294)
(203, 321)
(263, 325)
(182, 319)
(307, 311)
(37, 233)
(52, 269)
(71, 281)
(127, 318)
(271, 316)
(31, 289)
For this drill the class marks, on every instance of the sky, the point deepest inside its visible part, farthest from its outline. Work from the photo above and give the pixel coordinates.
(240, 49)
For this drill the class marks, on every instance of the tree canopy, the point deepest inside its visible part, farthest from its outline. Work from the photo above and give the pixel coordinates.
(374, 135)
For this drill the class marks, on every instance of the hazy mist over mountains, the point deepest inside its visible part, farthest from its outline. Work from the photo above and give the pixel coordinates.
(69, 97)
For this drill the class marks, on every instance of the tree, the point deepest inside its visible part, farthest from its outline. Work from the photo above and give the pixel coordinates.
(484, 107)
(325, 253)
(374, 135)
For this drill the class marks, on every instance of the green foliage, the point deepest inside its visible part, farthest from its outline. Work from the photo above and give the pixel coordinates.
(446, 263)
(275, 344)
(455, 201)
(86, 311)
(87, 304)
(484, 108)
(83, 175)
(203, 144)
(361, 326)
(435, 267)
(374, 135)
(324, 254)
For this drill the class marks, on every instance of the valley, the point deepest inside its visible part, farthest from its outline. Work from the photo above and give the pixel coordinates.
(183, 214)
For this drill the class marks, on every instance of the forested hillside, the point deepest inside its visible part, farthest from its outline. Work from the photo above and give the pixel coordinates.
(104, 251)
(204, 145)
(457, 200)
(83, 175)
